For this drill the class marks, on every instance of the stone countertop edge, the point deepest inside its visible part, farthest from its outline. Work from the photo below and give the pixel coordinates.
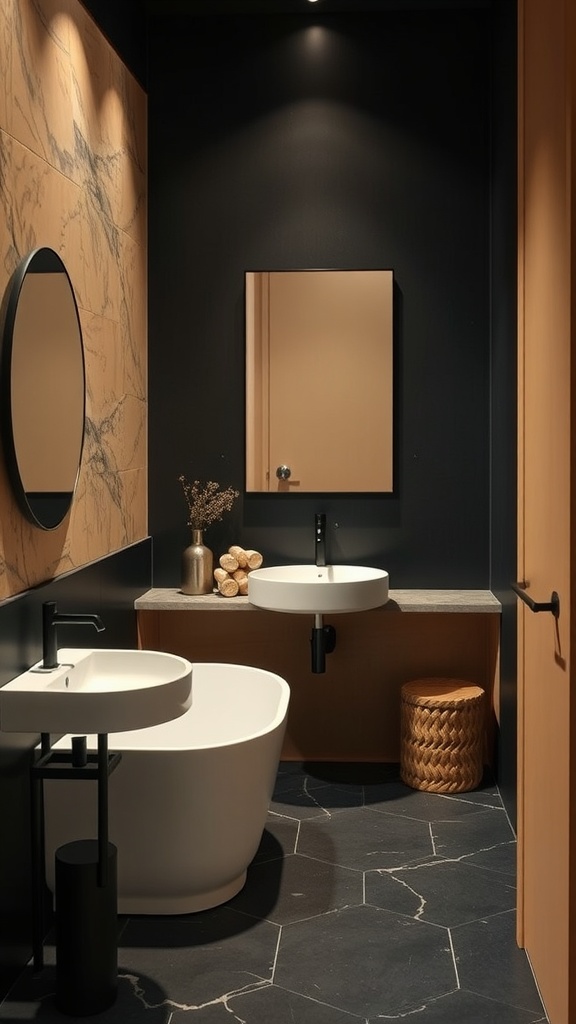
(167, 599)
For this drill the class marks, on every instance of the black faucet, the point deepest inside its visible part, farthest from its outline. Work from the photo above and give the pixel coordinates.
(320, 538)
(50, 619)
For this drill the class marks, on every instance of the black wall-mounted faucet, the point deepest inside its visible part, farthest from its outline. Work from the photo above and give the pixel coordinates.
(320, 538)
(50, 620)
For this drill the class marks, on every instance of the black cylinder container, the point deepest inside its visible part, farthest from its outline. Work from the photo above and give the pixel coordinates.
(86, 930)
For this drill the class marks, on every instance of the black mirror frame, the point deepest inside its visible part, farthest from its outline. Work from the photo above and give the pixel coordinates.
(46, 260)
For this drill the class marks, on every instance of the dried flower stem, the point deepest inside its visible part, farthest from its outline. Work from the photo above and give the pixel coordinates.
(206, 502)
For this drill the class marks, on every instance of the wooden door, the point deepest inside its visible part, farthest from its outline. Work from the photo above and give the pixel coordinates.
(546, 196)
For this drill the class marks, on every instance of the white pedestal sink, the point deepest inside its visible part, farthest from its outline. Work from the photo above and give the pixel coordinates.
(97, 691)
(318, 590)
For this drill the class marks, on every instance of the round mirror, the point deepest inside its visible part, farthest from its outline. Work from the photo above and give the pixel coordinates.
(42, 388)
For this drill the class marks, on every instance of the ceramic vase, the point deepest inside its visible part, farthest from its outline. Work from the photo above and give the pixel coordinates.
(197, 567)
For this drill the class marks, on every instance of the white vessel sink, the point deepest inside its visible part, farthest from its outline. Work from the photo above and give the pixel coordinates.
(97, 691)
(318, 589)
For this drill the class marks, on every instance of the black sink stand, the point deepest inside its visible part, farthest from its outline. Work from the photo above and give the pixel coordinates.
(85, 888)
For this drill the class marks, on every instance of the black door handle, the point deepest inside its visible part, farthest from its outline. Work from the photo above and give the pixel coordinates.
(553, 605)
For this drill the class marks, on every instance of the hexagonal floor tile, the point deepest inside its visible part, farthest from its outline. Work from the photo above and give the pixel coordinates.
(472, 835)
(305, 799)
(486, 794)
(337, 960)
(466, 1008)
(304, 888)
(491, 964)
(276, 1005)
(365, 840)
(178, 952)
(139, 997)
(443, 892)
(278, 838)
(396, 798)
(366, 961)
(500, 858)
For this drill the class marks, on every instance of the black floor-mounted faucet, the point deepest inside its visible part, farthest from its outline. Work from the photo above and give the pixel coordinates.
(320, 538)
(51, 618)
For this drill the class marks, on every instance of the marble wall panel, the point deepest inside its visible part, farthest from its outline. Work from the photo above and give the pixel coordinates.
(134, 317)
(98, 258)
(104, 357)
(135, 486)
(128, 438)
(39, 207)
(6, 21)
(110, 124)
(40, 80)
(133, 209)
(73, 177)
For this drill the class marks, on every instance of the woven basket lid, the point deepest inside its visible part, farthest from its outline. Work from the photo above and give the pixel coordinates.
(440, 691)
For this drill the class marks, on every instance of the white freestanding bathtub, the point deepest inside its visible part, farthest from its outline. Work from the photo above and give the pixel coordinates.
(188, 801)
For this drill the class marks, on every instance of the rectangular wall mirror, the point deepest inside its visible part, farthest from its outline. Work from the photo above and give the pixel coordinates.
(319, 390)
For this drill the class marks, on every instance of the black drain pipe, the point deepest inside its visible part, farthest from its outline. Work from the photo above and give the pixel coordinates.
(322, 642)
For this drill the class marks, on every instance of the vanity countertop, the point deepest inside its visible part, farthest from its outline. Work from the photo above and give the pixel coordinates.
(166, 599)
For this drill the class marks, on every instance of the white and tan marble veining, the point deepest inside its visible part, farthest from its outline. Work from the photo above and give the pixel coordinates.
(73, 177)
(39, 207)
(131, 198)
(134, 317)
(108, 510)
(253, 985)
(135, 511)
(456, 601)
(6, 20)
(104, 357)
(122, 435)
(110, 119)
(40, 78)
(118, 417)
(97, 245)
(96, 111)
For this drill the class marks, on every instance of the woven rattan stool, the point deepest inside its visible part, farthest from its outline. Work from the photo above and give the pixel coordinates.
(442, 735)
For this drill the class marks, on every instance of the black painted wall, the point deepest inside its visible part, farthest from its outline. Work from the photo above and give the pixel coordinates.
(387, 141)
(124, 24)
(325, 141)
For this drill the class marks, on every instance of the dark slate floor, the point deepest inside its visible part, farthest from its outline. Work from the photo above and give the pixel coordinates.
(367, 902)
